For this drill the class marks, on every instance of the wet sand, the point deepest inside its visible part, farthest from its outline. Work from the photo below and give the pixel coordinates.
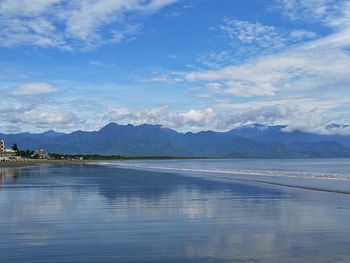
(37, 162)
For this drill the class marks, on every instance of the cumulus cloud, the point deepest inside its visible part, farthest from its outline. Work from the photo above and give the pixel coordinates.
(316, 65)
(306, 114)
(197, 118)
(304, 86)
(193, 118)
(70, 24)
(27, 113)
(295, 70)
(34, 88)
(38, 117)
(282, 66)
(42, 118)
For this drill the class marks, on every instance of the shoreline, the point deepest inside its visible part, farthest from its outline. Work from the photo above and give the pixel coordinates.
(287, 181)
(30, 162)
(23, 163)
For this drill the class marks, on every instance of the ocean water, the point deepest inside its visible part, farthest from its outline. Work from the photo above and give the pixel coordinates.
(112, 213)
(317, 174)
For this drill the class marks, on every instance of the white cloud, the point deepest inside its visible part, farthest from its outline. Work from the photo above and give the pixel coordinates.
(251, 39)
(304, 86)
(70, 24)
(263, 38)
(311, 66)
(253, 33)
(197, 118)
(192, 119)
(151, 116)
(170, 78)
(44, 118)
(30, 108)
(332, 13)
(215, 59)
(28, 8)
(306, 96)
(306, 114)
(299, 35)
(25, 115)
(34, 88)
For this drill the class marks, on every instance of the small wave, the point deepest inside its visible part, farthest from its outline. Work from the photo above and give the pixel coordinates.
(296, 174)
(332, 182)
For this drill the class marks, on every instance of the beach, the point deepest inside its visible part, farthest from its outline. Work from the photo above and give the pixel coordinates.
(31, 162)
(94, 213)
(173, 131)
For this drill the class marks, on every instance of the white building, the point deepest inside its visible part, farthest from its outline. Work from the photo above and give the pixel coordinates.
(3, 157)
(40, 154)
(2, 146)
(6, 154)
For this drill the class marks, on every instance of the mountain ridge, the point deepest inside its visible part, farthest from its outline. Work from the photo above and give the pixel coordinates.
(251, 141)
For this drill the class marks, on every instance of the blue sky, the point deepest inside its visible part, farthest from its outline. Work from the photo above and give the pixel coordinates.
(186, 64)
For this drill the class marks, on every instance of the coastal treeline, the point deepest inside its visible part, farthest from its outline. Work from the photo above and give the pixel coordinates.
(58, 156)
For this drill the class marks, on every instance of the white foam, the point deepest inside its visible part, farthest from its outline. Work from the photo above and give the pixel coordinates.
(335, 182)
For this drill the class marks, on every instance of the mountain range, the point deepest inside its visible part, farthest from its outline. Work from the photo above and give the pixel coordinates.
(251, 141)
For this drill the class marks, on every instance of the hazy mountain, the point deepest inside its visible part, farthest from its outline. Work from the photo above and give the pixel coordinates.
(252, 141)
(52, 134)
(264, 133)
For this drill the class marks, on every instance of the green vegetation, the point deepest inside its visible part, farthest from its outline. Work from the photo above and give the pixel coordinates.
(15, 147)
(26, 154)
(57, 156)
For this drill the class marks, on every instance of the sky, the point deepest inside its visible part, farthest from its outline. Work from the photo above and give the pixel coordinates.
(189, 65)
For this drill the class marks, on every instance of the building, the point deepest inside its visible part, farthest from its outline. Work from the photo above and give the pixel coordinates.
(3, 158)
(9, 152)
(2, 146)
(40, 154)
(6, 154)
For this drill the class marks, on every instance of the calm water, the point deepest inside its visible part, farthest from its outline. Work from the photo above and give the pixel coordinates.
(105, 214)
(318, 174)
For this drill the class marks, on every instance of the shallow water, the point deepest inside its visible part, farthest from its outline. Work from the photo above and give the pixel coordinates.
(56, 213)
(331, 175)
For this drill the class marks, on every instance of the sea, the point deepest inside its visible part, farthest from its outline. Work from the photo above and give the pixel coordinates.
(222, 210)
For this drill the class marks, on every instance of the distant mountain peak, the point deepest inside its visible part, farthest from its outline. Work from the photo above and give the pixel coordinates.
(52, 133)
(113, 125)
(260, 127)
(109, 126)
(253, 126)
(257, 126)
(149, 126)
